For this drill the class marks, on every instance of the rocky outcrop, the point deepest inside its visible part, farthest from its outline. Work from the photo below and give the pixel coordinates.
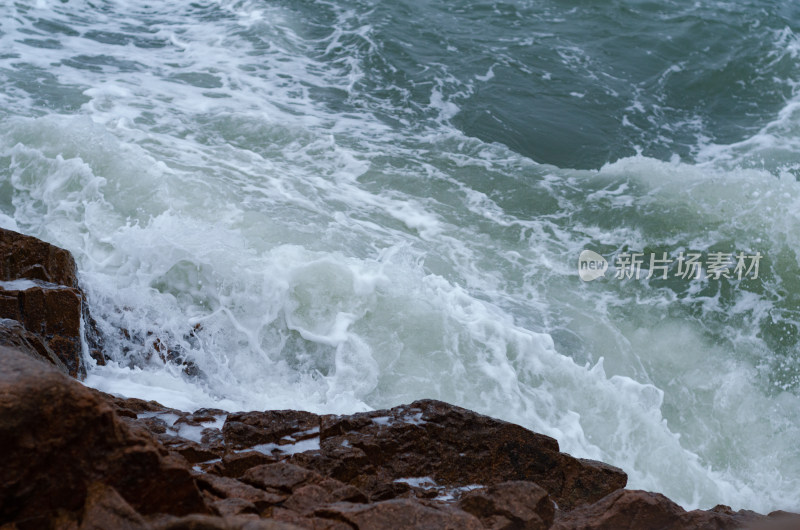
(516, 504)
(50, 312)
(60, 438)
(77, 458)
(14, 335)
(451, 446)
(39, 291)
(23, 256)
(634, 509)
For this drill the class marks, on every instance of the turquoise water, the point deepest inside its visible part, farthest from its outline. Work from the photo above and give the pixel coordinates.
(340, 206)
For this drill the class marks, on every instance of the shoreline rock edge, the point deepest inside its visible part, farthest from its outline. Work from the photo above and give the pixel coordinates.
(75, 457)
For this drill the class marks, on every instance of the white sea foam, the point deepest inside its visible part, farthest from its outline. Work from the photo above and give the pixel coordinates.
(309, 444)
(18, 285)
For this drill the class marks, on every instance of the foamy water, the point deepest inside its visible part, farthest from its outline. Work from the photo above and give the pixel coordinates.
(313, 206)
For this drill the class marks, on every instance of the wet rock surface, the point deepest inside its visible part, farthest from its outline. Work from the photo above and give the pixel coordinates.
(634, 509)
(450, 446)
(14, 335)
(78, 458)
(39, 291)
(24, 256)
(59, 438)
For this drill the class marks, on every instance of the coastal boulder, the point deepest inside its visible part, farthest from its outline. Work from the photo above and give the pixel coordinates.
(59, 438)
(51, 312)
(14, 335)
(511, 505)
(26, 257)
(39, 290)
(635, 509)
(427, 445)
(400, 514)
(453, 447)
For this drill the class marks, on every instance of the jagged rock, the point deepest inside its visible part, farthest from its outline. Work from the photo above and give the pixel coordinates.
(308, 498)
(236, 464)
(391, 490)
(777, 520)
(280, 478)
(39, 289)
(233, 506)
(78, 458)
(206, 415)
(297, 489)
(59, 438)
(517, 505)
(635, 509)
(228, 488)
(194, 452)
(454, 446)
(24, 256)
(14, 335)
(398, 514)
(51, 312)
(132, 407)
(105, 509)
(207, 522)
(309, 522)
(246, 429)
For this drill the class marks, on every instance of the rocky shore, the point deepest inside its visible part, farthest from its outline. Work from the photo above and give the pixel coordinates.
(74, 457)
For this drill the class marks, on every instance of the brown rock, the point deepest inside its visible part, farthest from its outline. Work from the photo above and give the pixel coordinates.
(635, 509)
(40, 291)
(586, 481)
(49, 308)
(280, 477)
(246, 429)
(228, 488)
(206, 415)
(193, 452)
(51, 312)
(308, 498)
(23, 256)
(455, 447)
(625, 509)
(400, 514)
(135, 406)
(234, 506)
(13, 335)
(516, 505)
(308, 522)
(207, 522)
(236, 464)
(58, 438)
(105, 509)
(778, 520)
(390, 490)
(292, 487)
(78, 458)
